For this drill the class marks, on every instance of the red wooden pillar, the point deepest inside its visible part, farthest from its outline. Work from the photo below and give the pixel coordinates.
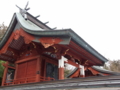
(5, 73)
(61, 73)
(82, 71)
(44, 70)
(61, 67)
(38, 69)
(16, 70)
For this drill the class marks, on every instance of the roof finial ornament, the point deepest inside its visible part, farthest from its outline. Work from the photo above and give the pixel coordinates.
(55, 28)
(46, 22)
(24, 11)
(37, 16)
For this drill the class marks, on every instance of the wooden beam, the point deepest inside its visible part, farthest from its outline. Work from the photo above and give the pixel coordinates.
(27, 59)
(50, 60)
(72, 63)
(5, 59)
(8, 66)
(73, 52)
(7, 56)
(66, 50)
(50, 49)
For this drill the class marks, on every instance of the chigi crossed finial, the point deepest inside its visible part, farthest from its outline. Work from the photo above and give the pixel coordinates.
(24, 11)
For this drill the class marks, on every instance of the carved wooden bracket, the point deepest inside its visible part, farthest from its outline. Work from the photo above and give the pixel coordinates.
(66, 51)
(59, 51)
(49, 41)
(16, 34)
(27, 37)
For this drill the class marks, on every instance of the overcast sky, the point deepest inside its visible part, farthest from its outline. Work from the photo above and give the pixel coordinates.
(96, 21)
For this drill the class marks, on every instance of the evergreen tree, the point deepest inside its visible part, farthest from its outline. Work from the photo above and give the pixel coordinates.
(1, 70)
(113, 65)
(3, 29)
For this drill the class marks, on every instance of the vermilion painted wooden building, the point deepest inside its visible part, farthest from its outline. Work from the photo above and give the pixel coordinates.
(34, 52)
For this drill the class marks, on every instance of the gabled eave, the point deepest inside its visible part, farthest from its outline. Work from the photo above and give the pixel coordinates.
(74, 37)
(51, 33)
(8, 31)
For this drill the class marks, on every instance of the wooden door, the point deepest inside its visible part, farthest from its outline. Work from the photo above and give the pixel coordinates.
(26, 69)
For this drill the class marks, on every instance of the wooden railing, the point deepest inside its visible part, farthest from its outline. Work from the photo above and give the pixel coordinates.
(26, 80)
(46, 78)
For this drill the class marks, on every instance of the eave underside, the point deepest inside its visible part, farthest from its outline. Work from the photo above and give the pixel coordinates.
(74, 53)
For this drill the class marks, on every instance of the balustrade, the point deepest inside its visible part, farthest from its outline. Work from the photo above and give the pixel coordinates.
(27, 80)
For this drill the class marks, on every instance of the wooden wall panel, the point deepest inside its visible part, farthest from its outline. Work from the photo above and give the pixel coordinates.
(31, 68)
(21, 73)
(27, 69)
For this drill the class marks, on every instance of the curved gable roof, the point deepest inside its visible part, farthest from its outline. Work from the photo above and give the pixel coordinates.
(36, 28)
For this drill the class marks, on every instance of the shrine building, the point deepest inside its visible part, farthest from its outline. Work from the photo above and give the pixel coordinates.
(34, 52)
